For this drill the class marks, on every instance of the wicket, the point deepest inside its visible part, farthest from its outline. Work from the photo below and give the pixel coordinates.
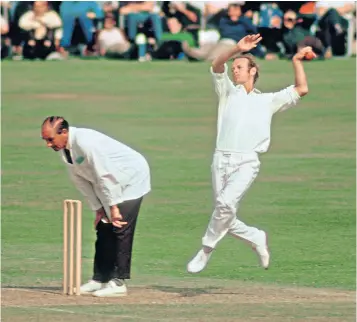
(72, 246)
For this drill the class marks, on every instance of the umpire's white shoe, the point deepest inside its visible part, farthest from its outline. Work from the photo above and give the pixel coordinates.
(91, 286)
(262, 250)
(199, 262)
(115, 287)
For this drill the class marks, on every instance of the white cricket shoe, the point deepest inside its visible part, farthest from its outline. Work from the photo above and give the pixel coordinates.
(262, 250)
(199, 262)
(114, 288)
(91, 286)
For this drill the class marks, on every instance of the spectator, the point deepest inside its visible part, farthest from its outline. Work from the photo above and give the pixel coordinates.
(141, 12)
(186, 14)
(307, 12)
(269, 27)
(332, 24)
(44, 31)
(4, 26)
(110, 8)
(295, 37)
(270, 15)
(17, 35)
(84, 12)
(232, 28)
(215, 10)
(112, 42)
(341, 7)
(170, 46)
(4, 39)
(183, 20)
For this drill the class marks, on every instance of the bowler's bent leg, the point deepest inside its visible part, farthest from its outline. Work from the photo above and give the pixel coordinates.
(223, 219)
(235, 180)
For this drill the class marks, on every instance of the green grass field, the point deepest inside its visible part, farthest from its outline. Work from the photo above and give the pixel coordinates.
(304, 195)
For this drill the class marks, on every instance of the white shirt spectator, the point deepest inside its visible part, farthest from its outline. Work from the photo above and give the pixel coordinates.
(50, 19)
(3, 21)
(244, 120)
(223, 4)
(200, 5)
(4, 25)
(108, 38)
(113, 4)
(333, 4)
(106, 171)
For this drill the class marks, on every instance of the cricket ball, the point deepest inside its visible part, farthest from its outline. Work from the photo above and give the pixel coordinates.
(310, 55)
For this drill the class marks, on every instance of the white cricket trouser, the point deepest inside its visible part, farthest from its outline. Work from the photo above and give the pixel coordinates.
(232, 175)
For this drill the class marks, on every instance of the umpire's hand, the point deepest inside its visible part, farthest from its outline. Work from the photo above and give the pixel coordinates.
(99, 214)
(116, 217)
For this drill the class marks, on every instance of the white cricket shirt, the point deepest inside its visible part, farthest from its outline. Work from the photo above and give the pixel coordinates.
(244, 120)
(108, 38)
(106, 171)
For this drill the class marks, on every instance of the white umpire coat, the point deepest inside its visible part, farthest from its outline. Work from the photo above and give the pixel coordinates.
(106, 171)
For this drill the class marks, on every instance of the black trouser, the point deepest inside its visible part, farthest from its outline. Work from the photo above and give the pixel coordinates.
(39, 50)
(271, 37)
(328, 33)
(113, 247)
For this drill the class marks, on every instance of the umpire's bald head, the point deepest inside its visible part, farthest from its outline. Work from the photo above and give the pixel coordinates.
(54, 131)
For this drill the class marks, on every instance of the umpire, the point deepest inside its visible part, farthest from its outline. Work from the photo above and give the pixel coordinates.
(113, 178)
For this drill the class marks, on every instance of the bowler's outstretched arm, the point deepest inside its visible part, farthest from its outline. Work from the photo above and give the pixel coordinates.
(244, 45)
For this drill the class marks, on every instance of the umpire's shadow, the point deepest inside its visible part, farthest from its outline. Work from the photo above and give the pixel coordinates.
(184, 291)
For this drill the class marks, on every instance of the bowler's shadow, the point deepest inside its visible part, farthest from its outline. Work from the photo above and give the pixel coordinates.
(185, 291)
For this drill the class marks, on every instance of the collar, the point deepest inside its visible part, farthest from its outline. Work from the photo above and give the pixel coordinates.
(71, 136)
(255, 90)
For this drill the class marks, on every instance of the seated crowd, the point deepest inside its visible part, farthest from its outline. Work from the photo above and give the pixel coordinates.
(193, 30)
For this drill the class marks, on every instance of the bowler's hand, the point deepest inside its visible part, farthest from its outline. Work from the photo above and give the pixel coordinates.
(300, 55)
(249, 42)
(116, 217)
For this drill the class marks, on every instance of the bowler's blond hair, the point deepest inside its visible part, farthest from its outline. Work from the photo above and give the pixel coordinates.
(251, 64)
